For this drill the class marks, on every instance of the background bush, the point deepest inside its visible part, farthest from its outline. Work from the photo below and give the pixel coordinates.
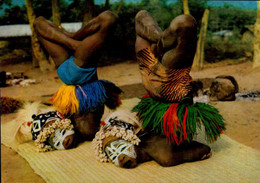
(121, 46)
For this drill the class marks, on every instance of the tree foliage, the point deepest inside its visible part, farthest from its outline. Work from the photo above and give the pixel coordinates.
(5, 2)
(14, 15)
(229, 18)
(163, 11)
(226, 17)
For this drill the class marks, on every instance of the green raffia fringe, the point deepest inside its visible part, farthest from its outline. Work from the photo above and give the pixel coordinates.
(151, 112)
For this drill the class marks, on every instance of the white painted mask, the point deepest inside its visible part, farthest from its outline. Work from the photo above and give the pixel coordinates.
(118, 147)
(59, 136)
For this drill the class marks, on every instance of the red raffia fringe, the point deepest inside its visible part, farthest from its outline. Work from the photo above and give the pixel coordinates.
(171, 124)
(146, 95)
(184, 123)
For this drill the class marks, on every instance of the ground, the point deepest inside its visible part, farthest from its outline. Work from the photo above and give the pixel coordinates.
(242, 117)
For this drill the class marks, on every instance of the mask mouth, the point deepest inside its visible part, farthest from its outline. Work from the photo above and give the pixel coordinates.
(68, 142)
(116, 140)
(62, 139)
(127, 162)
(120, 147)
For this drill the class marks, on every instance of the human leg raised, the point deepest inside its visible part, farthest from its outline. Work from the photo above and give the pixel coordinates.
(89, 47)
(52, 38)
(148, 33)
(83, 44)
(175, 46)
(178, 43)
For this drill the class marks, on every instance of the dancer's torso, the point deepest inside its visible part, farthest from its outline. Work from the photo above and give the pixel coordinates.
(169, 85)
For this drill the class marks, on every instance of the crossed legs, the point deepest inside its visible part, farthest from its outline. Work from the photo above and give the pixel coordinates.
(84, 44)
(175, 46)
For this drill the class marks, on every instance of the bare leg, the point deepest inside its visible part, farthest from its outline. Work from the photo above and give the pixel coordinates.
(84, 43)
(148, 33)
(51, 32)
(47, 33)
(58, 53)
(87, 51)
(91, 27)
(174, 47)
(178, 42)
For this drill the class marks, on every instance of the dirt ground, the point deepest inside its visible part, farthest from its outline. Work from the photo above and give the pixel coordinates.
(242, 117)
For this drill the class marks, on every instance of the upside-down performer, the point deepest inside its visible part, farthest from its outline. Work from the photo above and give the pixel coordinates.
(75, 55)
(167, 111)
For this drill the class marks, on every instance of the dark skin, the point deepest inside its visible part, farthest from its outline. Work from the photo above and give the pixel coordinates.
(158, 148)
(175, 48)
(85, 45)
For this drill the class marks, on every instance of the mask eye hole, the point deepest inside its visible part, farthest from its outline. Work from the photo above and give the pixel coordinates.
(63, 132)
(58, 144)
(123, 148)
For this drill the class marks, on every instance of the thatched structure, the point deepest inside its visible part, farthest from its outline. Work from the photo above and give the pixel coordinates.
(23, 30)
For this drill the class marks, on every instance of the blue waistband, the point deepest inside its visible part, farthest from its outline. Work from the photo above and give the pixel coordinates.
(71, 74)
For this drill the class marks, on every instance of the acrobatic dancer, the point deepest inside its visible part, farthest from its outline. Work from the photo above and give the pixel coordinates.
(83, 96)
(168, 115)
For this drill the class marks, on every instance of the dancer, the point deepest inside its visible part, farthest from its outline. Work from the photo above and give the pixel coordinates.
(82, 96)
(169, 116)
(167, 113)
(165, 59)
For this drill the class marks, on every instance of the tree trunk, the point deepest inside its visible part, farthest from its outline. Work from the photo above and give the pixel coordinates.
(186, 7)
(56, 12)
(256, 60)
(56, 20)
(39, 58)
(119, 7)
(199, 55)
(89, 11)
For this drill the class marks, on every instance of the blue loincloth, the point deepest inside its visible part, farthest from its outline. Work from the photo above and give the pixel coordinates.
(80, 93)
(71, 74)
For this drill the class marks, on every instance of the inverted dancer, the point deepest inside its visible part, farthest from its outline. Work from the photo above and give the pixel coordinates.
(167, 113)
(83, 96)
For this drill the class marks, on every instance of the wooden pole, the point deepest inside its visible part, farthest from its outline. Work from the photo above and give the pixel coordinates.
(256, 59)
(39, 58)
(57, 21)
(186, 7)
(56, 12)
(199, 55)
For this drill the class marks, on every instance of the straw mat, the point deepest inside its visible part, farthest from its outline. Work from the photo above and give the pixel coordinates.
(230, 162)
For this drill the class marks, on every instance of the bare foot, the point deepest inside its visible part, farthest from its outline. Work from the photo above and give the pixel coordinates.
(65, 32)
(146, 26)
(206, 156)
